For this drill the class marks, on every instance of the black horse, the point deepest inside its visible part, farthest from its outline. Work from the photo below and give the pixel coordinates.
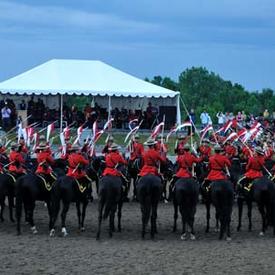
(110, 198)
(29, 189)
(186, 197)
(263, 193)
(149, 189)
(222, 196)
(134, 169)
(67, 189)
(7, 189)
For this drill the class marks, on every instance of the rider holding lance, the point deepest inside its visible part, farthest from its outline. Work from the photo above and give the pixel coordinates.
(16, 160)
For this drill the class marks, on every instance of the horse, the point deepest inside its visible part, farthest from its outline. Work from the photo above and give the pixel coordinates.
(7, 189)
(67, 189)
(134, 169)
(149, 189)
(263, 193)
(222, 196)
(110, 198)
(186, 197)
(29, 189)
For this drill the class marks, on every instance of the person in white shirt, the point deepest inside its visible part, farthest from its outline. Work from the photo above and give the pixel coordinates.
(204, 119)
(221, 118)
(6, 114)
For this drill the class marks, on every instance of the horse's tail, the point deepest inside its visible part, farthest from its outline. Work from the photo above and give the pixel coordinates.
(19, 203)
(146, 203)
(109, 202)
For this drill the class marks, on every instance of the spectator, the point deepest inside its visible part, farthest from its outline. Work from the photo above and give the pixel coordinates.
(204, 119)
(266, 114)
(221, 118)
(6, 115)
(22, 105)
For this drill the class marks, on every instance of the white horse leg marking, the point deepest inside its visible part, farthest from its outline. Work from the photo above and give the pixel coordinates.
(52, 232)
(64, 231)
(34, 230)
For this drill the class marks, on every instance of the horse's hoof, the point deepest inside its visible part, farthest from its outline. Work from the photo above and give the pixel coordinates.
(166, 201)
(192, 237)
(261, 234)
(52, 233)
(183, 237)
(174, 229)
(216, 230)
(238, 228)
(34, 230)
(228, 239)
(18, 233)
(82, 229)
(119, 230)
(64, 232)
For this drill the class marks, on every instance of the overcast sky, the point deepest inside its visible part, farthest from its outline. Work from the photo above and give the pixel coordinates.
(234, 38)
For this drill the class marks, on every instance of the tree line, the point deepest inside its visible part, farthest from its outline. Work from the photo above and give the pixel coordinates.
(204, 90)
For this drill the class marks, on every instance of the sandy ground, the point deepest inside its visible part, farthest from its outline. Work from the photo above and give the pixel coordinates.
(126, 253)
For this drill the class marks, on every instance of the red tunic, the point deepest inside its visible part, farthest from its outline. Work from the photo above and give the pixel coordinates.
(76, 159)
(112, 160)
(180, 148)
(44, 158)
(246, 152)
(150, 158)
(16, 160)
(254, 167)
(161, 147)
(2, 150)
(205, 151)
(230, 151)
(137, 152)
(185, 162)
(217, 164)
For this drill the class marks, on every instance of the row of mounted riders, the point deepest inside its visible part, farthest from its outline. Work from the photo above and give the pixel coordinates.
(217, 178)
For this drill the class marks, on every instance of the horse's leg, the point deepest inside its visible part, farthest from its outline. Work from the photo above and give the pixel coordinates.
(191, 220)
(100, 209)
(31, 205)
(183, 219)
(84, 207)
(78, 213)
(143, 213)
(50, 212)
(120, 203)
(207, 205)
(2, 204)
(249, 213)
(65, 210)
(55, 211)
(175, 215)
(240, 213)
(11, 203)
(217, 216)
(154, 220)
(263, 215)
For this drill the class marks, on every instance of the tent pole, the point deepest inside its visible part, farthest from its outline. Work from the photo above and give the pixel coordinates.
(109, 107)
(61, 112)
(178, 110)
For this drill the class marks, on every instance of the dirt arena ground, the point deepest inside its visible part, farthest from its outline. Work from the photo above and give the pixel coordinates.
(126, 253)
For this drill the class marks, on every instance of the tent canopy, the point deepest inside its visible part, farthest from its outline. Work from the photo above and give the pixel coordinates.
(81, 77)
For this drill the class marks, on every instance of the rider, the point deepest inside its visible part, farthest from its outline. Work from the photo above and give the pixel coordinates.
(44, 160)
(151, 159)
(22, 145)
(112, 160)
(76, 168)
(218, 165)
(205, 150)
(161, 146)
(186, 162)
(230, 150)
(179, 146)
(254, 168)
(110, 141)
(136, 149)
(65, 155)
(16, 160)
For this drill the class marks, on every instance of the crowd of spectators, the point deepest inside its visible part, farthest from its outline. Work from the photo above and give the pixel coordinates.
(72, 115)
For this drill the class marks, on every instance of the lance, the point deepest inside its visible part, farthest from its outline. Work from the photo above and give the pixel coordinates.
(16, 125)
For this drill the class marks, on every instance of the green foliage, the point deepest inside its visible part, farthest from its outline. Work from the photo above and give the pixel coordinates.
(204, 90)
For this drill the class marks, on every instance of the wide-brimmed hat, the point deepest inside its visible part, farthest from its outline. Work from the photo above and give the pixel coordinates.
(150, 142)
(42, 146)
(186, 146)
(74, 147)
(259, 150)
(14, 145)
(217, 147)
(42, 137)
(113, 147)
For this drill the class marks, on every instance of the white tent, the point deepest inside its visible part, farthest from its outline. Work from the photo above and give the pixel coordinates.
(83, 77)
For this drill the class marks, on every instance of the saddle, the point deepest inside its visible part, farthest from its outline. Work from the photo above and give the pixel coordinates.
(83, 183)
